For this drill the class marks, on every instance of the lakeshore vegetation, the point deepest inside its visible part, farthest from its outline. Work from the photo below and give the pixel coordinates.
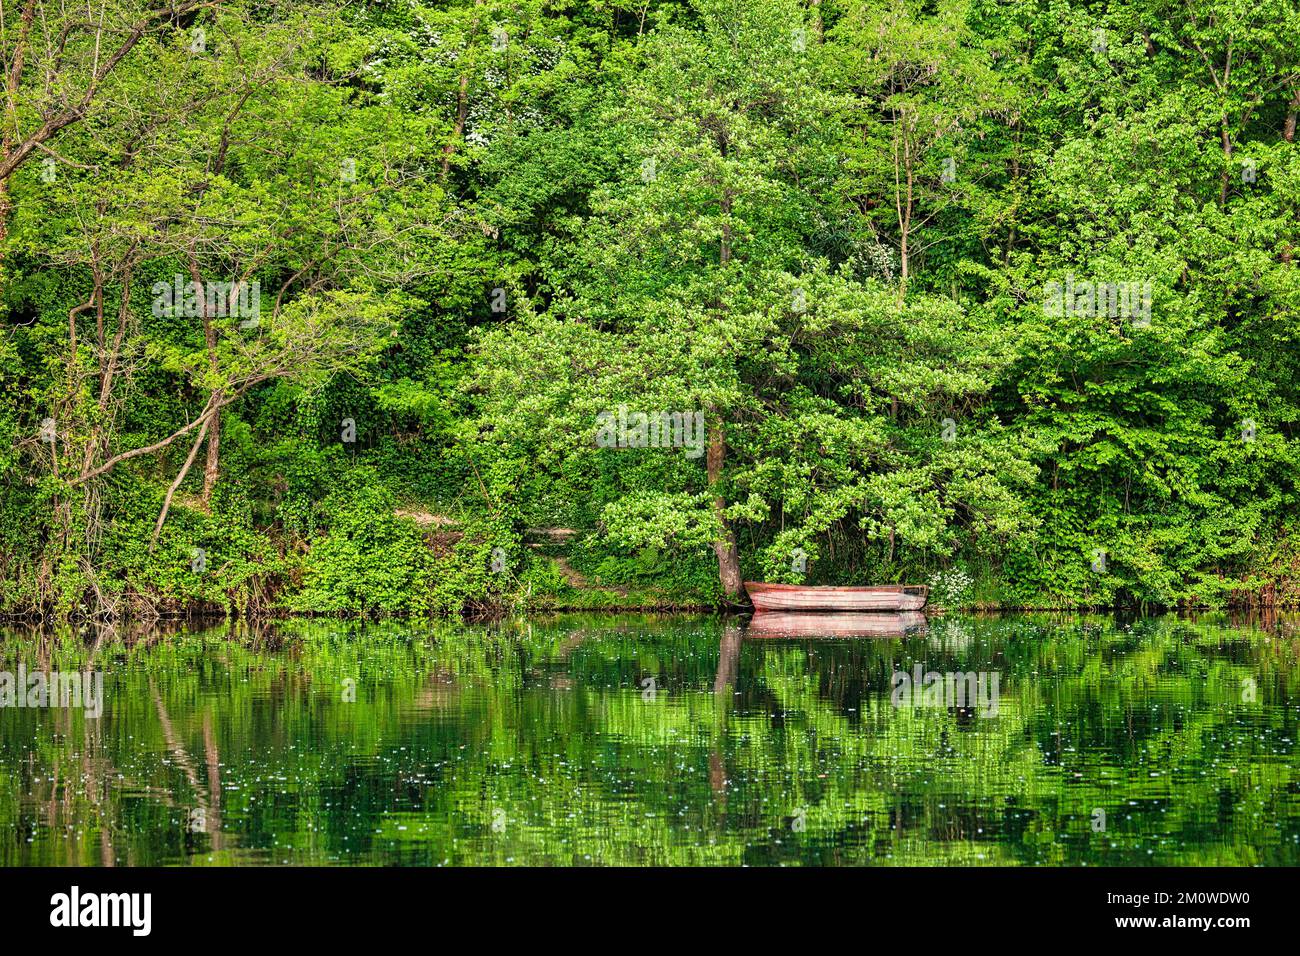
(325, 308)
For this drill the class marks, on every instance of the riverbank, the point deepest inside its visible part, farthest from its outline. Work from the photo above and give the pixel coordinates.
(381, 560)
(552, 584)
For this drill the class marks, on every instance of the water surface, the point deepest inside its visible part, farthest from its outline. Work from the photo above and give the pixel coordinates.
(579, 740)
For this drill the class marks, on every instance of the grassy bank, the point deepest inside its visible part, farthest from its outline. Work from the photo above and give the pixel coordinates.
(377, 560)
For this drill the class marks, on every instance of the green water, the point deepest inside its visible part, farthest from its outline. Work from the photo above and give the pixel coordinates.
(658, 740)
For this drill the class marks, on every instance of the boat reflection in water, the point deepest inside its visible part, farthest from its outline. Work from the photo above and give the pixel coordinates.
(791, 624)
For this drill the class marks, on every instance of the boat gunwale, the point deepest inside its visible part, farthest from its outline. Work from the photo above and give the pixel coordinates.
(922, 589)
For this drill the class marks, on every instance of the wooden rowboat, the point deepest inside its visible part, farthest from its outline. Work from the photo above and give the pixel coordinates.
(796, 597)
(835, 624)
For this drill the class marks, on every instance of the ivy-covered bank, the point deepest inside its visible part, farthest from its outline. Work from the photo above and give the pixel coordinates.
(446, 307)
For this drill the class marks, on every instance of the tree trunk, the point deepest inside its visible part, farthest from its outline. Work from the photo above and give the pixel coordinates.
(725, 546)
(903, 254)
(4, 216)
(462, 98)
(10, 120)
(1225, 137)
(1287, 254)
(212, 466)
(171, 491)
(903, 199)
(462, 114)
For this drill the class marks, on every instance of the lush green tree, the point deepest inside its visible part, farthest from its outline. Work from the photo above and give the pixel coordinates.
(692, 289)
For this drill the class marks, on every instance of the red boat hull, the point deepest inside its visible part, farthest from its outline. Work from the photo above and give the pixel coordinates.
(796, 597)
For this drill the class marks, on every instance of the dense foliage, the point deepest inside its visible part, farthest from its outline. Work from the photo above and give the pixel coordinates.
(614, 302)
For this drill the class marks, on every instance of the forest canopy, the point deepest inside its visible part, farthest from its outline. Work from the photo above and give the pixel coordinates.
(403, 307)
